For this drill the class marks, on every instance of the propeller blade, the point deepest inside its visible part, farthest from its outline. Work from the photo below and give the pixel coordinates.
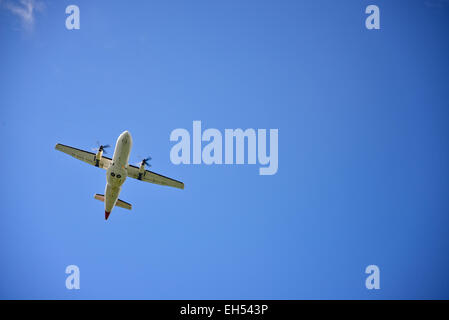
(144, 162)
(101, 147)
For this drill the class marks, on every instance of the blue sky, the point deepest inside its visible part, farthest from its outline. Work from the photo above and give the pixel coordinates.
(363, 149)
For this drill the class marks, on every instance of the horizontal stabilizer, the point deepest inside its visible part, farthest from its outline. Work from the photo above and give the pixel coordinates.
(119, 203)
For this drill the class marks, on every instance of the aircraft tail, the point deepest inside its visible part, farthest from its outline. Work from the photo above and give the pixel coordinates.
(119, 203)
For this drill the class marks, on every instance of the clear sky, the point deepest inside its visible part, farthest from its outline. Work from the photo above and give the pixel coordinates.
(363, 149)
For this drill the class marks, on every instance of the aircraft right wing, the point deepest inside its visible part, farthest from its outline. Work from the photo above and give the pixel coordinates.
(85, 156)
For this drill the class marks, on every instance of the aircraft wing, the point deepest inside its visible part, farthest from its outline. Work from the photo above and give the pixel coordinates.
(153, 177)
(86, 156)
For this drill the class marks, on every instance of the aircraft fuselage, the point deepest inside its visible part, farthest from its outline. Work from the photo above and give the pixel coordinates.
(117, 172)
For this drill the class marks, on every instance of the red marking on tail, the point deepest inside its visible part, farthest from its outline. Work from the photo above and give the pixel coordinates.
(106, 215)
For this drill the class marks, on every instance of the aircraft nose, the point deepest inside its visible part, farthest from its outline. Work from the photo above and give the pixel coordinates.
(126, 137)
(126, 134)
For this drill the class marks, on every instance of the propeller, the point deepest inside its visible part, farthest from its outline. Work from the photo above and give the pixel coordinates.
(102, 147)
(144, 162)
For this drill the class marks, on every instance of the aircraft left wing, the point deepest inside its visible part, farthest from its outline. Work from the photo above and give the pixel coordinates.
(86, 156)
(153, 177)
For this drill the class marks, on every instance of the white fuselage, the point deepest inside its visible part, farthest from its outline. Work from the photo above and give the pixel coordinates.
(117, 172)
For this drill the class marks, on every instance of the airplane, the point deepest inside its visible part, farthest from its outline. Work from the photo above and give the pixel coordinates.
(117, 169)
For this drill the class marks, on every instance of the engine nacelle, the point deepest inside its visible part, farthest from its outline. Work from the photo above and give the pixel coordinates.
(141, 171)
(142, 167)
(98, 157)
